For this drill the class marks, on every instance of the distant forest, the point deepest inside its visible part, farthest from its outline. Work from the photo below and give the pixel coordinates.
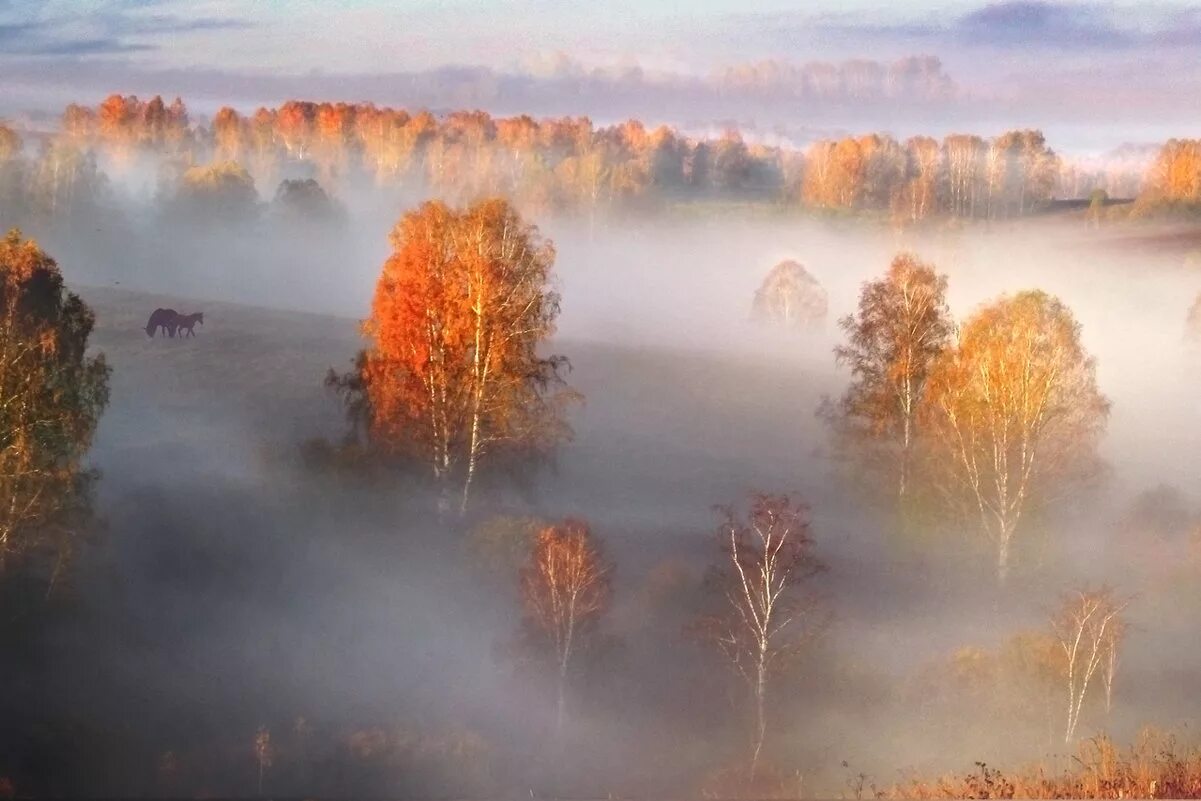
(564, 165)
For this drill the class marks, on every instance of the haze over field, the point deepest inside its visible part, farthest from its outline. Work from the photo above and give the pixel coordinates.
(366, 534)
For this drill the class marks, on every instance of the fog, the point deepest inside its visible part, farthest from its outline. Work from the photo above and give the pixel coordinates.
(235, 584)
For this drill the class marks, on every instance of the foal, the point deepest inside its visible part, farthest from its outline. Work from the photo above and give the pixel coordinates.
(187, 322)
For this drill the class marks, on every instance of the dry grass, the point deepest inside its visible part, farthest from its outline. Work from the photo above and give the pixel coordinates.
(1155, 766)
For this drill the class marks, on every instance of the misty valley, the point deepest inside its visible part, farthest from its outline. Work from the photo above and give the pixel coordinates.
(356, 451)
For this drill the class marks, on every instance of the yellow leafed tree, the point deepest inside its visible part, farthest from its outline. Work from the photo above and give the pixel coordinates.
(1013, 414)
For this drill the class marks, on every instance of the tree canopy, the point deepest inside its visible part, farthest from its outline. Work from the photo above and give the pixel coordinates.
(900, 328)
(51, 396)
(1014, 413)
(453, 374)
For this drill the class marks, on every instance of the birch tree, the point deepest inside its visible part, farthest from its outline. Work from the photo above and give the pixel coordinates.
(453, 373)
(901, 326)
(764, 616)
(1088, 626)
(1114, 636)
(1013, 415)
(565, 589)
(791, 297)
(924, 161)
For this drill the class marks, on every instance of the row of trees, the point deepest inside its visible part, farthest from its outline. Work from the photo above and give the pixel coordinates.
(760, 612)
(571, 164)
(989, 419)
(759, 615)
(61, 184)
(961, 176)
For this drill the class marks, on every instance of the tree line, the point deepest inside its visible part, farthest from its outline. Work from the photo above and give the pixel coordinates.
(565, 164)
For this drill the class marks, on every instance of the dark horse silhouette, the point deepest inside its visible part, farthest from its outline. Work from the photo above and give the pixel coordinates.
(187, 322)
(167, 319)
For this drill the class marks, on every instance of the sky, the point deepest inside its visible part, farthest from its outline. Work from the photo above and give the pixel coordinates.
(1119, 60)
(407, 35)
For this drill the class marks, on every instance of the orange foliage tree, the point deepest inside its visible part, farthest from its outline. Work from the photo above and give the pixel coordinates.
(565, 589)
(452, 373)
(1013, 414)
(1175, 176)
(223, 191)
(764, 617)
(51, 397)
(902, 325)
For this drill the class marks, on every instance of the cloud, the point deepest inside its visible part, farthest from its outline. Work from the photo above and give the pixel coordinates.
(1005, 24)
(51, 29)
(79, 47)
(12, 32)
(169, 23)
(34, 39)
(1182, 29)
(1026, 22)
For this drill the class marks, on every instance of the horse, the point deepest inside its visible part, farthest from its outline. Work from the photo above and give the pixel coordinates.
(187, 322)
(167, 319)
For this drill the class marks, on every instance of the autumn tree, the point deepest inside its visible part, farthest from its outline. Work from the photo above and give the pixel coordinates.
(1032, 170)
(790, 296)
(901, 327)
(963, 156)
(1089, 627)
(295, 127)
(764, 616)
(230, 135)
(1112, 641)
(565, 590)
(453, 374)
(1013, 414)
(222, 191)
(51, 397)
(64, 182)
(921, 192)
